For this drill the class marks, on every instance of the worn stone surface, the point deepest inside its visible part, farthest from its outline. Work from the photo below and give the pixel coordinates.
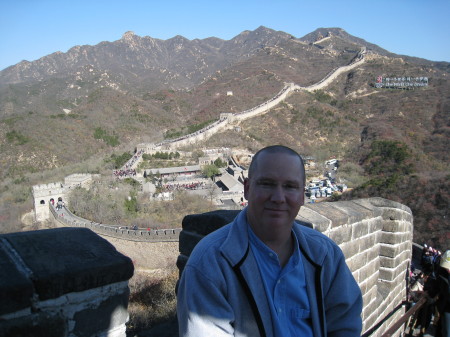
(341, 235)
(15, 288)
(330, 211)
(207, 222)
(309, 214)
(188, 240)
(110, 313)
(35, 325)
(355, 212)
(65, 260)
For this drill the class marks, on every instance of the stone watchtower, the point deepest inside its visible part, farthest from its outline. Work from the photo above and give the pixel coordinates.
(45, 194)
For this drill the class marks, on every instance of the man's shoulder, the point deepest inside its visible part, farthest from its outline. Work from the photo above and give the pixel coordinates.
(315, 244)
(309, 233)
(210, 243)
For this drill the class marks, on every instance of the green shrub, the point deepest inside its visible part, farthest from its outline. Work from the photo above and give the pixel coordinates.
(111, 140)
(119, 160)
(16, 138)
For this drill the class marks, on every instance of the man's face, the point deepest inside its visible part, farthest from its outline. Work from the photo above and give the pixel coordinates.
(275, 193)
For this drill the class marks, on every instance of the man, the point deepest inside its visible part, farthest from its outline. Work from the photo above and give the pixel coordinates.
(265, 275)
(443, 303)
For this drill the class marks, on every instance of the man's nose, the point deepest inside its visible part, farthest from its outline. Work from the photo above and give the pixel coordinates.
(278, 195)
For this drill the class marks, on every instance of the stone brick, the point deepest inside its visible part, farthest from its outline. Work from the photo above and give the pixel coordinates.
(359, 261)
(97, 320)
(388, 262)
(393, 238)
(308, 213)
(349, 249)
(375, 224)
(370, 312)
(390, 250)
(355, 212)
(368, 242)
(391, 274)
(373, 252)
(369, 204)
(383, 204)
(341, 234)
(370, 295)
(387, 274)
(396, 226)
(329, 211)
(397, 214)
(360, 229)
(370, 270)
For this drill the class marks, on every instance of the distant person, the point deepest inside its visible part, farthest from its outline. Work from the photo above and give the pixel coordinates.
(443, 303)
(265, 275)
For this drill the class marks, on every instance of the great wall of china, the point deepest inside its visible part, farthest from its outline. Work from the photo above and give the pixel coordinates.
(45, 193)
(227, 120)
(88, 283)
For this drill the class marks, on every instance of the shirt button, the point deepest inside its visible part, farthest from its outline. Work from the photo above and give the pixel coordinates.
(279, 281)
(280, 310)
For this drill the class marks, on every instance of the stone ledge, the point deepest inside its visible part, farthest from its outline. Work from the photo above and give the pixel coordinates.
(47, 264)
(16, 289)
(206, 223)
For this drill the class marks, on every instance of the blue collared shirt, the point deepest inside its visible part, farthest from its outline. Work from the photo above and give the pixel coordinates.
(285, 289)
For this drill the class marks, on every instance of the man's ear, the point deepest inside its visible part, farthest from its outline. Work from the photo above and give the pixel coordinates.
(246, 187)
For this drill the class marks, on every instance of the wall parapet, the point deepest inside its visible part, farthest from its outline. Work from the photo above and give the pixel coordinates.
(64, 218)
(62, 282)
(375, 235)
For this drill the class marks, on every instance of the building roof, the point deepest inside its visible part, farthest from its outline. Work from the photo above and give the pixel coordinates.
(173, 170)
(230, 182)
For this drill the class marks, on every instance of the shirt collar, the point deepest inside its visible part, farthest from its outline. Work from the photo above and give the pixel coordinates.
(264, 249)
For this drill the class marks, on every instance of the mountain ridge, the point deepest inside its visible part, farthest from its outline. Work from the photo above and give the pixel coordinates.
(140, 89)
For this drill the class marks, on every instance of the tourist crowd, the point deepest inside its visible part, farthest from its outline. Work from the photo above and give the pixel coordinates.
(124, 173)
(432, 280)
(187, 186)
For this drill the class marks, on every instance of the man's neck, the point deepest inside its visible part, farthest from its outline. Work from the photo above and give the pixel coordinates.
(283, 248)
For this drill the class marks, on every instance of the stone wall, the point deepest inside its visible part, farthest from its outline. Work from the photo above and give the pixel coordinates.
(62, 282)
(375, 235)
(64, 218)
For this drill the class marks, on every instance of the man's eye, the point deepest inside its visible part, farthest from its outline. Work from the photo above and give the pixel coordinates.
(265, 183)
(292, 186)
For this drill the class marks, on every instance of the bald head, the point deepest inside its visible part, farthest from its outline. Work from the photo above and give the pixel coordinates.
(276, 149)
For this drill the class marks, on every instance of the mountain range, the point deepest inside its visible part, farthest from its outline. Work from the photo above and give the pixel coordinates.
(141, 89)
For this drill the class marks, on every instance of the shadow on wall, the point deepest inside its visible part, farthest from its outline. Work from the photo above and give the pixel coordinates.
(62, 282)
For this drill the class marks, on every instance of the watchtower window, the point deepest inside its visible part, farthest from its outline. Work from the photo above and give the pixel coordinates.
(42, 202)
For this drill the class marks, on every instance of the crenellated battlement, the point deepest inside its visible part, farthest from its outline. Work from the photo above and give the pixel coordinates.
(46, 194)
(46, 189)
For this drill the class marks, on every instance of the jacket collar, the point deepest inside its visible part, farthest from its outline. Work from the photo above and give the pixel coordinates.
(236, 243)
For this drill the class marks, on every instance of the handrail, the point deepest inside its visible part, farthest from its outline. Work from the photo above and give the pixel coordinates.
(422, 301)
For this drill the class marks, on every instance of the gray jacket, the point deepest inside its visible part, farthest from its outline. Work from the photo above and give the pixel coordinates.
(221, 292)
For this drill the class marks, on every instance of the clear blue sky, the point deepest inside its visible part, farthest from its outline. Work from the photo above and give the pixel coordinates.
(31, 29)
